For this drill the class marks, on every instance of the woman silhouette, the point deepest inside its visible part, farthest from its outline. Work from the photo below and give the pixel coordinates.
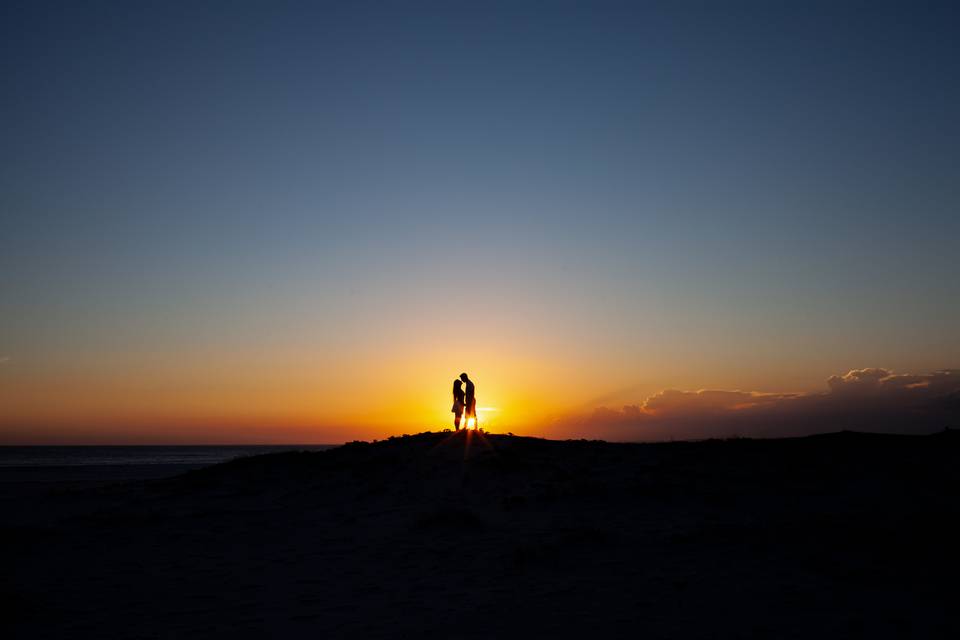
(457, 408)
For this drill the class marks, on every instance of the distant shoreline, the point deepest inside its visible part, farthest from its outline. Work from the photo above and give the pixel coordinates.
(117, 463)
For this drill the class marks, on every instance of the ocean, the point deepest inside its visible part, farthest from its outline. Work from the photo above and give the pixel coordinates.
(183, 455)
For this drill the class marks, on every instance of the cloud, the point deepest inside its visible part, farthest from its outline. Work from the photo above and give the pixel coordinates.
(870, 399)
(706, 401)
(859, 381)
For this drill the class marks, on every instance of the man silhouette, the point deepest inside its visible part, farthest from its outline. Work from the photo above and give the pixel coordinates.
(469, 401)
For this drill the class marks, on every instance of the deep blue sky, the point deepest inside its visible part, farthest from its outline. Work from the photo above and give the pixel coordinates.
(737, 194)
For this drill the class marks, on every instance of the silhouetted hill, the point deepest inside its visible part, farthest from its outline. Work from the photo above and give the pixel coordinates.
(471, 535)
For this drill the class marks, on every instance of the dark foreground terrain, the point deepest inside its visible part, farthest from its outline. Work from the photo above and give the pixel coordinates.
(456, 536)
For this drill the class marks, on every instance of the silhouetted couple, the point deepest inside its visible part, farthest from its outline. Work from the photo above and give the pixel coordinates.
(464, 402)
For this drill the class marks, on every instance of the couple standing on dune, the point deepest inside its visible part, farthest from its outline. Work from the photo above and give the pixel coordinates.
(464, 401)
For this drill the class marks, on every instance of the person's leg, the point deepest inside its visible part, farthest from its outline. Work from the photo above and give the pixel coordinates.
(456, 421)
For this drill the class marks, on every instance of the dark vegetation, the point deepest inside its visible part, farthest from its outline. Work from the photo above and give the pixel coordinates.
(440, 535)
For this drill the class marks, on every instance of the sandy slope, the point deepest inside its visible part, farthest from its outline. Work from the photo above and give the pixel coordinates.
(441, 535)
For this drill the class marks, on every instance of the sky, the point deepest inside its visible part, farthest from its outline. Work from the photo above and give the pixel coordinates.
(298, 222)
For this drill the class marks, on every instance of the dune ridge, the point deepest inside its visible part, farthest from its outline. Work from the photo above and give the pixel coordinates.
(477, 535)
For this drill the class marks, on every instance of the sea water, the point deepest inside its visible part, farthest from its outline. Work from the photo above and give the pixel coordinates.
(180, 455)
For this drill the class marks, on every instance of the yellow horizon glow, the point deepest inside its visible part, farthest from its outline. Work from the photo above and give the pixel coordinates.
(380, 382)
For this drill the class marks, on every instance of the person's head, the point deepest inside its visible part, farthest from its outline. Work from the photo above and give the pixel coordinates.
(464, 377)
(457, 384)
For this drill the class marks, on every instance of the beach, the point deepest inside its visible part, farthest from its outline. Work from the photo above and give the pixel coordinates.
(474, 536)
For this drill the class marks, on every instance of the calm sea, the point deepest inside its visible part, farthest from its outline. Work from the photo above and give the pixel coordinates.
(193, 456)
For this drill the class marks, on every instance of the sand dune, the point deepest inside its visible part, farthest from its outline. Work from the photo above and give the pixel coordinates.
(483, 536)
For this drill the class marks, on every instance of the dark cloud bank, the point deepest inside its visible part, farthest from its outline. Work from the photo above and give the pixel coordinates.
(862, 400)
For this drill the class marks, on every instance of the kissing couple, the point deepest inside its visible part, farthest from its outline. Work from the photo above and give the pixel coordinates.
(464, 401)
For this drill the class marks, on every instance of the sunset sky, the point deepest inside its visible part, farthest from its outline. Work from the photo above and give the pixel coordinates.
(298, 222)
